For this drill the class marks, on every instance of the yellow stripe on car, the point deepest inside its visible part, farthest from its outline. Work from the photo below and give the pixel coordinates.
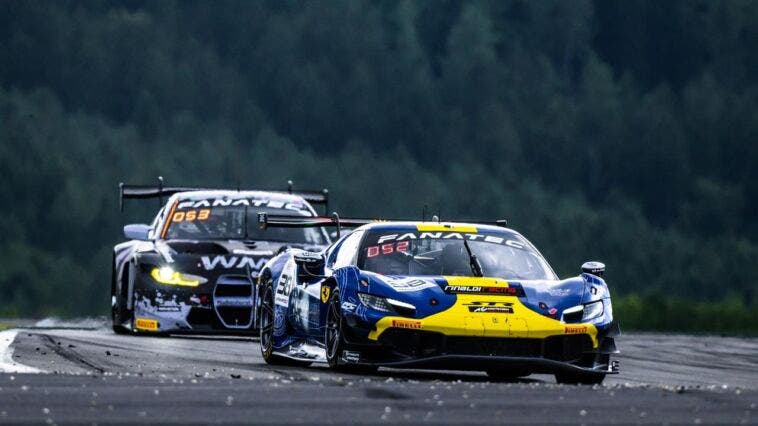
(442, 227)
(459, 320)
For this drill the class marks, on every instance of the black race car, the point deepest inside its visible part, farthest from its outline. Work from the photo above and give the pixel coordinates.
(193, 269)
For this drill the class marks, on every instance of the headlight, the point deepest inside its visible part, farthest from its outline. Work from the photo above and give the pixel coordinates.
(583, 313)
(375, 302)
(385, 304)
(592, 310)
(166, 275)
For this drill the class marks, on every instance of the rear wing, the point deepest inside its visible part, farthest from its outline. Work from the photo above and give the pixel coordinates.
(141, 192)
(266, 220)
(314, 197)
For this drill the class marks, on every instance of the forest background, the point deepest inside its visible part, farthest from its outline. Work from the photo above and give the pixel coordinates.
(620, 131)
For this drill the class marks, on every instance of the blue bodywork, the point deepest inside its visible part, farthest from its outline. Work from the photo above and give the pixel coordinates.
(302, 282)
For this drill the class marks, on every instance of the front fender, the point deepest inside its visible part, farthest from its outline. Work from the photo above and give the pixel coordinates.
(272, 271)
(596, 289)
(347, 281)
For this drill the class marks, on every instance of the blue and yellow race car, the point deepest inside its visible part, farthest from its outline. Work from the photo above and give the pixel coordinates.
(454, 296)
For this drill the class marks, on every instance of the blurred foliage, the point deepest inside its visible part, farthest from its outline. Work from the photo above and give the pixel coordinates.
(622, 131)
(728, 316)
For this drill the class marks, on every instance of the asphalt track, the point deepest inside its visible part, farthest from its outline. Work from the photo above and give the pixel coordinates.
(92, 376)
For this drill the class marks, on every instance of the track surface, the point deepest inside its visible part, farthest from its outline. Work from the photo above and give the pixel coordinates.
(93, 375)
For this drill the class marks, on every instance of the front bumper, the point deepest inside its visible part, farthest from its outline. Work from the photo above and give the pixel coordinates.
(226, 303)
(405, 348)
(484, 363)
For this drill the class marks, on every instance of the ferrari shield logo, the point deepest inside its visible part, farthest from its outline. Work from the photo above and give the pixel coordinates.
(325, 290)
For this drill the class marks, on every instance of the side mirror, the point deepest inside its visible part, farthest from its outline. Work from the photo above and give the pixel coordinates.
(137, 231)
(594, 268)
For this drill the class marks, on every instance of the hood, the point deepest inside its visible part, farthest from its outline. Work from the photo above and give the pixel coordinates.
(547, 297)
(218, 255)
(211, 247)
(230, 247)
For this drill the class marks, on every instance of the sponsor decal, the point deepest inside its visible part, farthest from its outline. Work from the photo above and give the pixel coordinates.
(415, 325)
(325, 292)
(490, 307)
(348, 306)
(168, 308)
(351, 357)
(281, 297)
(238, 302)
(146, 324)
(477, 289)
(281, 300)
(575, 329)
(410, 284)
(285, 285)
(451, 236)
(308, 257)
(228, 262)
(552, 311)
(558, 292)
(250, 202)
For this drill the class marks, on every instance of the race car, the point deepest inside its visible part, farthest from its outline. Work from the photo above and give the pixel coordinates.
(194, 268)
(441, 295)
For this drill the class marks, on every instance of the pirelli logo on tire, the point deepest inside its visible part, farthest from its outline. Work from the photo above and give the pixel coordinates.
(146, 324)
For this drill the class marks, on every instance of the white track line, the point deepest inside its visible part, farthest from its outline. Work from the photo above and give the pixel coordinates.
(7, 364)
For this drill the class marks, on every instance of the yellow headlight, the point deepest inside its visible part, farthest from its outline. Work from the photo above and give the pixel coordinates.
(166, 275)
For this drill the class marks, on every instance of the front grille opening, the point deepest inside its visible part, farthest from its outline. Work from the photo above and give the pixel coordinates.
(573, 317)
(517, 347)
(405, 312)
(414, 343)
(233, 291)
(237, 287)
(567, 348)
(235, 316)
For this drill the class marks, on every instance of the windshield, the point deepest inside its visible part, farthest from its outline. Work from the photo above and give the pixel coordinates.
(504, 255)
(237, 222)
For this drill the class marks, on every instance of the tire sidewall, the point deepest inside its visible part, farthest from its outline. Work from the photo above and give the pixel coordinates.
(334, 303)
(267, 349)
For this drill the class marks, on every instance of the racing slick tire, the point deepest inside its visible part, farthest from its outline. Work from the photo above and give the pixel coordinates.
(266, 332)
(120, 329)
(119, 313)
(335, 339)
(580, 378)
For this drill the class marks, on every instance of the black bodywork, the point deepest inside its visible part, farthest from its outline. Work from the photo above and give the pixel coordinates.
(215, 290)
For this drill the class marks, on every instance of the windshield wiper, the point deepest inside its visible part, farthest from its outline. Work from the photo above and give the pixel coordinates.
(476, 267)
